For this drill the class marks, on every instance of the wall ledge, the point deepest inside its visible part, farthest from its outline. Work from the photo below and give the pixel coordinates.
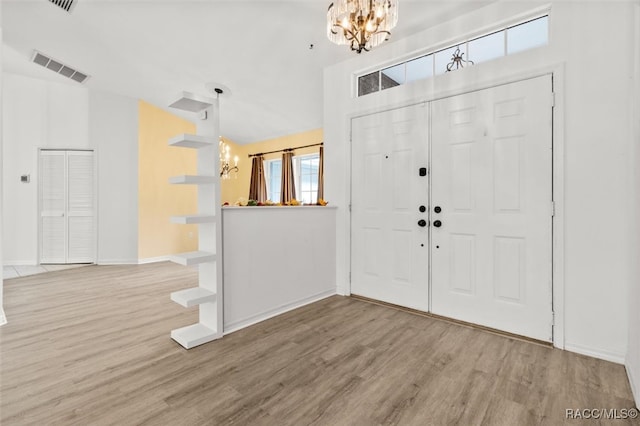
(279, 207)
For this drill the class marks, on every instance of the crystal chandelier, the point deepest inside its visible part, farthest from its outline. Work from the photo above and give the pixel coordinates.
(225, 156)
(362, 24)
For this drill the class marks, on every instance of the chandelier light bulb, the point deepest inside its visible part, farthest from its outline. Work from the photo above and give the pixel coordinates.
(369, 26)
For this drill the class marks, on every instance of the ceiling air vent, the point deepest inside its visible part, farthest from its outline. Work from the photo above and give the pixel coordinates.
(60, 68)
(64, 4)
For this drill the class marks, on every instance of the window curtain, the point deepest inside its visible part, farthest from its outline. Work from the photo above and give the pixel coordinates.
(321, 176)
(287, 184)
(258, 185)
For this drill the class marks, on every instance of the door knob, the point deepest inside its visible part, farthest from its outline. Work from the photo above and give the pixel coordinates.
(437, 223)
(437, 209)
(422, 222)
(422, 209)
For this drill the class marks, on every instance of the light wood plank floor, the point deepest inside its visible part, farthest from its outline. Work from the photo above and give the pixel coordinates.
(91, 346)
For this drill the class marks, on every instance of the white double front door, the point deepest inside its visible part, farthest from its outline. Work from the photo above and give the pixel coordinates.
(484, 254)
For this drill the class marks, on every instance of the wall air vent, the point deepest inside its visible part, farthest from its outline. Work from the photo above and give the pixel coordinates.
(57, 66)
(64, 4)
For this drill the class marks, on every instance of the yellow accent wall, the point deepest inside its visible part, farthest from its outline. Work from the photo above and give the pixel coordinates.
(157, 199)
(234, 188)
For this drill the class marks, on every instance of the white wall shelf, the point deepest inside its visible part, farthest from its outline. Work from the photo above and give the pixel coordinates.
(193, 218)
(192, 180)
(193, 296)
(194, 335)
(193, 258)
(191, 141)
(208, 295)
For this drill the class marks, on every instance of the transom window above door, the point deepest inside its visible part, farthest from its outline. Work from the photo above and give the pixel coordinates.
(503, 42)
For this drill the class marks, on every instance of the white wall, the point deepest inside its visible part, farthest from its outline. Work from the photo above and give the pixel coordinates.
(632, 361)
(36, 114)
(45, 114)
(113, 129)
(3, 318)
(589, 50)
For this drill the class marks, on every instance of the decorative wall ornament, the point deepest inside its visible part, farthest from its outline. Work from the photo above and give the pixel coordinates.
(457, 60)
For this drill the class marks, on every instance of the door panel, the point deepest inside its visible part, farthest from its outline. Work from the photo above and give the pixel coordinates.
(389, 249)
(80, 207)
(491, 175)
(53, 221)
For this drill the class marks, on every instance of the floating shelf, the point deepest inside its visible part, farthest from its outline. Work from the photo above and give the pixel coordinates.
(193, 296)
(191, 141)
(191, 102)
(193, 335)
(190, 179)
(193, 218)
(193, 258)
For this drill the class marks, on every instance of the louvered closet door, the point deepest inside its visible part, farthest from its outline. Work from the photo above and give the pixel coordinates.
(67, 207)
(53, 222)
(80, 207)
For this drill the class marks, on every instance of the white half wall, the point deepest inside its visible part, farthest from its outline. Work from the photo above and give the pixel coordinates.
(113, 129)
(275, 259)
(592, 126)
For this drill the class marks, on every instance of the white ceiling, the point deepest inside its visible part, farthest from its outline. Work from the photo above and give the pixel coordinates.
(154, 49)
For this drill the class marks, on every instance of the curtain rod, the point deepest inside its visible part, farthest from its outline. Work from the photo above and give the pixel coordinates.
(286, 149)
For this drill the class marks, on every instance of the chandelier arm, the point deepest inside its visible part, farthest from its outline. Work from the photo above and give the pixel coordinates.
(352, 36)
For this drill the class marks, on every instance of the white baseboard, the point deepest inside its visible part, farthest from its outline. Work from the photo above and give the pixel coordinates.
(254, 319)
(634, 390)
(595, 353)
(342, 290)
(153, 259)
(107, 262)
(20, 263)
(3, 317)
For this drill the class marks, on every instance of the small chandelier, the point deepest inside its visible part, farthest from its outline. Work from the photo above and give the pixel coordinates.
(362, 24)
(225, 156)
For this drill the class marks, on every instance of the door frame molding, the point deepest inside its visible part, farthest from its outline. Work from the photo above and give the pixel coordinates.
(557, 72)
(95, 199)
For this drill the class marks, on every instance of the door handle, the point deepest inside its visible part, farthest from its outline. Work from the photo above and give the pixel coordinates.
(437, 223)
(422, 223)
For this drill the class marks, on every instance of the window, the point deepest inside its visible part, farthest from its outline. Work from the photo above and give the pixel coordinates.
(305, 169)
(420, 68)
(486, 48)
(273, 172)
(528, 35)
(306, 173)
(506, 41)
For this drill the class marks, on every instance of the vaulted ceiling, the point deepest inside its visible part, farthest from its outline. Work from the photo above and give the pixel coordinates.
(260, 51)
